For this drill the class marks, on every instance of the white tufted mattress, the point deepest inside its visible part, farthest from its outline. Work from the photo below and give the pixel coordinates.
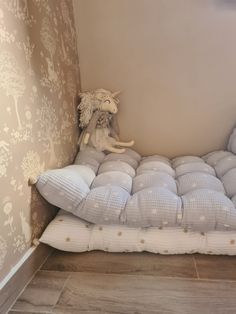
(69, 233)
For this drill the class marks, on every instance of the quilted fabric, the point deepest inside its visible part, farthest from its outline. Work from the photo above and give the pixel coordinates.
(66, 187)
(232, 142)
(69, 233)
(194, 193)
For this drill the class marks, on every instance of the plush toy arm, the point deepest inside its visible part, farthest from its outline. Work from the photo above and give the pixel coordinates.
(115, 130)
(91, 126)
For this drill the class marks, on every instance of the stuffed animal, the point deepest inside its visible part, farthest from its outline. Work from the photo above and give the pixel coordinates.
(98, 120)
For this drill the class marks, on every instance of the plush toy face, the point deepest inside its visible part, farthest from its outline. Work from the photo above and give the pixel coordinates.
(99, 99)
(108, 104)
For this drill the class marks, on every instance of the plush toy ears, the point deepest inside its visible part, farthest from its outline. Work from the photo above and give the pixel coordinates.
(102, 93)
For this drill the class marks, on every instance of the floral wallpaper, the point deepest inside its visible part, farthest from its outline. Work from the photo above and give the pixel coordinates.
(39, 81)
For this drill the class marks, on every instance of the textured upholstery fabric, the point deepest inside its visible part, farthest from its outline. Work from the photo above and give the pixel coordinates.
(64, 188)
(151, 191)
(232, 142)
(69, 233)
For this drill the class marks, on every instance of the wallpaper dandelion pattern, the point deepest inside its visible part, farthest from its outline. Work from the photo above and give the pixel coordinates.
(39, 81)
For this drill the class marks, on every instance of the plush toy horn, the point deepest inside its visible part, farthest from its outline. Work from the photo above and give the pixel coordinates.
(115, 94)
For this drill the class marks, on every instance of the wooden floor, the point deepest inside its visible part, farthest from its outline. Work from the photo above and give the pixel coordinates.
(99, 282)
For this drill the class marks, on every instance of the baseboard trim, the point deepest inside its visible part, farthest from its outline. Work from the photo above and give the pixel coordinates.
(14, 269)
(21, 274)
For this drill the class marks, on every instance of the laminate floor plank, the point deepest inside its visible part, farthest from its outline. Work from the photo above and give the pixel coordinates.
(23, 312)
(123, 263)
(218, 267)
(112, 293)
(131, 283)
(42, 293)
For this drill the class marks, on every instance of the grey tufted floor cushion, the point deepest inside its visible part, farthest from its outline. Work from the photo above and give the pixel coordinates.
(198, 194)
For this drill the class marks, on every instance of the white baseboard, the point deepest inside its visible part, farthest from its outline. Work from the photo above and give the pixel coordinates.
(17, 267)
(15, 281)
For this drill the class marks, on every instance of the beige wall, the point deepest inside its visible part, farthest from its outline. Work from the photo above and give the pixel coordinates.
(38, 126)
(175, 61)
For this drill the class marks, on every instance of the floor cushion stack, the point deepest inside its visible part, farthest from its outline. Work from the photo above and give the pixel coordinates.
(125, 202)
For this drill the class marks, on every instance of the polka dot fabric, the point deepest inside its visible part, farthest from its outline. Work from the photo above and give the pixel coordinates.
(193, 193)
(69, 233)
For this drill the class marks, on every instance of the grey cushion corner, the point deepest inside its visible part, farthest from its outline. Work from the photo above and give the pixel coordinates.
(232, 142)
(63, 188)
